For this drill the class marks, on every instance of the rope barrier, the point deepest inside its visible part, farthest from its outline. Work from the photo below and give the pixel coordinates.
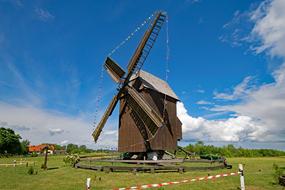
(211, 177)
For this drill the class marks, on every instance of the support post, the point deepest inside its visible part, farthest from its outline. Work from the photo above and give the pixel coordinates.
(88, 183)
(46, 156)
(240, 169)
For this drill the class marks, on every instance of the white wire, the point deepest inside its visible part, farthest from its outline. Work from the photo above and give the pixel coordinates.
(130, 35)
(166, 64)
(99, 94)
(99, 97)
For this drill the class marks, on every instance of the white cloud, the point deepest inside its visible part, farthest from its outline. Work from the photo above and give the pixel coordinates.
(266, 104)
(15, 127)
(240, 128)
(203, 102)
(269, 27)
(111, 132)
(239, 91)
(18, 83)
(44, 15)
(55, 131)
(52, 126)
(193, 1)
(64, 142)
(200, 91)
(235, 31)
(259, 113)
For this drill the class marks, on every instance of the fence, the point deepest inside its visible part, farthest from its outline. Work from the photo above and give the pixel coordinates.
(240, 172)
(17, 163)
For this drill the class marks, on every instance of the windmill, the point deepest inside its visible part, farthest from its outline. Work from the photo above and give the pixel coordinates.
(148, 123)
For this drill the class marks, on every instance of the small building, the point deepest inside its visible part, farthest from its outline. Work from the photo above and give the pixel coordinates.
(40, 149)
(59, 152)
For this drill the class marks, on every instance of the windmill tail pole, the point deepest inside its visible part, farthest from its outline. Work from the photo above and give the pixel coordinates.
(44, 166)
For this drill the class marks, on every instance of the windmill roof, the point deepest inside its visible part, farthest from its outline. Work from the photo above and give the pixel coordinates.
(152, 82)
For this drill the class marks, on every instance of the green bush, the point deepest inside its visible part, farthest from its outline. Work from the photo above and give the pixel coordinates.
(71, 159)
(31, 170)
(34, 154)
(210, 157)
(231, 151)
(278, 171)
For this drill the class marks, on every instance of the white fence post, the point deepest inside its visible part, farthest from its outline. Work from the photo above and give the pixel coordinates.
(242, 185)
(88, 183)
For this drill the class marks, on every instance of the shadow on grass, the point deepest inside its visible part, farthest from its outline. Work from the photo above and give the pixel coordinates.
(53, 168)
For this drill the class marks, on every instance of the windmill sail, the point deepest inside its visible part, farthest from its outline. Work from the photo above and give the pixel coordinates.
(114, 70)
(141, 106)
(145, 45)
(151, 118)
(103, 121)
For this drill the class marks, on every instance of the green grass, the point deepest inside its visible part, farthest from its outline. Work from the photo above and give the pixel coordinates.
(258, 175)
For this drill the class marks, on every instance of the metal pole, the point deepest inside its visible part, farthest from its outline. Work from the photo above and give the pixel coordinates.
(242, 185)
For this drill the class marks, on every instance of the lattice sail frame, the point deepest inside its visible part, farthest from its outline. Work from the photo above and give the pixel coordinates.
(135, 64)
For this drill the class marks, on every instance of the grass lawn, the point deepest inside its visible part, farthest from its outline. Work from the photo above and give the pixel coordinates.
(258, 175)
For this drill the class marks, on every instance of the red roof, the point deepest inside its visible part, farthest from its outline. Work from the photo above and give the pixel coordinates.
(40, 148)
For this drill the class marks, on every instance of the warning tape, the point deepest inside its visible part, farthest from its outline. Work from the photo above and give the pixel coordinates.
(179, 182)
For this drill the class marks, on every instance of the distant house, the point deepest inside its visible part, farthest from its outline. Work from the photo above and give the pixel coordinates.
(59, 151)
(39, 149)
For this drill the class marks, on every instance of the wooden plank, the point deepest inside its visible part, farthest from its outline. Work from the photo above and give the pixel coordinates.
(178, 168)
(139, 161)
(154, 161)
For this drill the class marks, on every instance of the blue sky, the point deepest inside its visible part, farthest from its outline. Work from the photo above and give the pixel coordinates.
(224, 59)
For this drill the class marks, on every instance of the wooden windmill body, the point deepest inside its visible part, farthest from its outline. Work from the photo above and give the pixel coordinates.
(135, 132)
(148, 122)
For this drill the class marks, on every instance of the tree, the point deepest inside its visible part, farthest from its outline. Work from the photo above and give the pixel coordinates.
(25, 146)
(82, 148)
(58, 147)
(9, 141)
(200, 143)
(71, 148)
(75, 149)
